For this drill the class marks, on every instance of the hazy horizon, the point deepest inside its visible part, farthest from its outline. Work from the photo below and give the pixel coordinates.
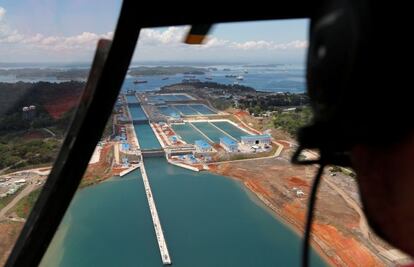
(146, 63)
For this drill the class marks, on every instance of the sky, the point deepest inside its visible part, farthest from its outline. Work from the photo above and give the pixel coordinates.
(66, 31)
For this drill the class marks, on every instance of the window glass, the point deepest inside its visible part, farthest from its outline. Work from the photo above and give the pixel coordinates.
(44, 62)
(194, 165)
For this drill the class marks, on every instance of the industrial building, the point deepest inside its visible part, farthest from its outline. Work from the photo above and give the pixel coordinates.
(251, 140)
(174, 139)
(29, 112)
(229, 144)
(203, 147)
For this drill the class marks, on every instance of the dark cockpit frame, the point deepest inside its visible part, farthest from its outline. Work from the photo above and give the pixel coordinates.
(107, 74)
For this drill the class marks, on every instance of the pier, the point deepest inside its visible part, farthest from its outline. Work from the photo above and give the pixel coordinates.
(162, 244)
(130, 169)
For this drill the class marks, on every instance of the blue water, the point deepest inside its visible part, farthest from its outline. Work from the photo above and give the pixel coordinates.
(167, 110)
(284, 78)
(272, 78)
(181, 97)
(146, 137)
(168, 97)
(203, 109)
(191, 109)
(230, 129)
(208, 220)
(184, 109)
(187, 133)
(137, 112)
(106, 225)
(212, 132)
(281, 78)
(131, 99)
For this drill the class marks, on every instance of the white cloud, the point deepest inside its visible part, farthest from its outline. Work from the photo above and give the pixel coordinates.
(170, 36)
(173, 37)
(85, 40)
(297, 44)
(154, 42)
(2, 13)
(7, 35)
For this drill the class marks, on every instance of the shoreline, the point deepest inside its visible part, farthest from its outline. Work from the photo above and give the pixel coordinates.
(261, 201)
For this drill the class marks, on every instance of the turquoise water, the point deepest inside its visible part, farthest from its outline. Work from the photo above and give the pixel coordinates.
(181, 97)
(281, 78)
(131, 99)
(146, 137)
(230, 129)
(192, 109)
(166, 98)
(137, 112)
(185, 109)
(271, 78)
(212, 132)
(187, 133)
(167, 110)
(106, 225)
(203, 109)
(208, 220)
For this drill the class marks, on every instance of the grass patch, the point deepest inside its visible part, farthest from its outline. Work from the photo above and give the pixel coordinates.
(292, 121)
(21, 153)
(6, 200)
(24, 206)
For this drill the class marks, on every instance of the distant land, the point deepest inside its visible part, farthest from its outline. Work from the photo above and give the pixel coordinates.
(36, 73)
(165, 70)
(82, 73)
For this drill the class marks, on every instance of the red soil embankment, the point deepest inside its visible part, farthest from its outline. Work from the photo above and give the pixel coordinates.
(296, 181)
(349, 250)
(241, 113)
(102, 169)
(34, 134)
(335, 224)
(346, 250)
(57, 108)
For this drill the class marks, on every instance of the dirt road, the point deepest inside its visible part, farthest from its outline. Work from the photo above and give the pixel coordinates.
(29, 188)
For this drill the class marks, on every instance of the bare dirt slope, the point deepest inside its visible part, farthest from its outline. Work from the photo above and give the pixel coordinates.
(340, 231)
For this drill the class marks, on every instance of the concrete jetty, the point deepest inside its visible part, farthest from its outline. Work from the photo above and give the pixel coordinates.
(130, 169)
(162, 244)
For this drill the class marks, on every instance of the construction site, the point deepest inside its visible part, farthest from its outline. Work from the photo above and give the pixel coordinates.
(187, 130)
(190, 133)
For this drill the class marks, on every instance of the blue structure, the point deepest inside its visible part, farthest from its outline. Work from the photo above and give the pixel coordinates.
(174, 139)
(175, 115)
(125, 162)
(229, 144)
(256, 139)
(125, 146)
(202, 146)
(122, 119)
(191, 159)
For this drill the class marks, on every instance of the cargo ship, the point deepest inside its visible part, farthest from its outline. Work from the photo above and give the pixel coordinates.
(140, 81)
